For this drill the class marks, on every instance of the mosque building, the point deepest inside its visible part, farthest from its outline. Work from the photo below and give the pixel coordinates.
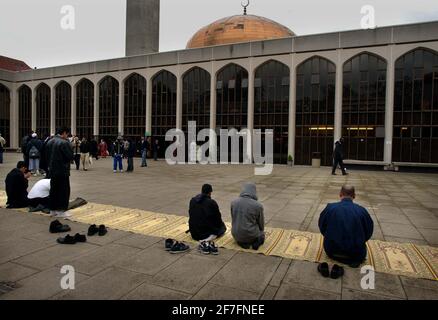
(377, 88)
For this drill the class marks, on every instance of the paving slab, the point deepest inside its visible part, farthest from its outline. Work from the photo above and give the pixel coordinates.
(288, 291)
(148, 291)
(217, 292)
(12, 272)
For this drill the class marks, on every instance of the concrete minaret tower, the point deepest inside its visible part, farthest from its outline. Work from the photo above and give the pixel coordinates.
(142, 26)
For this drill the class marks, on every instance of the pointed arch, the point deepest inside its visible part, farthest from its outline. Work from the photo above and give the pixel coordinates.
(135, 106)
(63, 104)
(415, 134)
(271, 104)
(43, 101)
(84, 108)
(5, 113)
(24, 112)
(315, 110)
(108, 108)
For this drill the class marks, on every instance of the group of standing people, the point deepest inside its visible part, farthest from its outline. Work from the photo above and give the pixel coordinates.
(84, 151)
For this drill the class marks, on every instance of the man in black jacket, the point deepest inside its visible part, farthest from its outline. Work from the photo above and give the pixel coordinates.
(16, 186)
(338, 157)
(59, 155)
(205, 220)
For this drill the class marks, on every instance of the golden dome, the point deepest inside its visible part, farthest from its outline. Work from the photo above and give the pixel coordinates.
(239, 28)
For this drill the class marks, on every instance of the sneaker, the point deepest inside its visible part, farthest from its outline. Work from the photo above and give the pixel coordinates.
(64, 214)
(204, 247)
(213, 248)
(115, 171)
(168, 244)
(179, 247)
(58, 227)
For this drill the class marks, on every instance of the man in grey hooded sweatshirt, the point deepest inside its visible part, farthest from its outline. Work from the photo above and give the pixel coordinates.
(248, 222)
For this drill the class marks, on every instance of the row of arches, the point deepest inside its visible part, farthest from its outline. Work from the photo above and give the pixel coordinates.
(415, 133)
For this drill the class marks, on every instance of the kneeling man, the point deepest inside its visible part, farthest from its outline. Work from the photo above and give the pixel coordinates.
(248, 219)
(346, 228)
(205, 220)
(16, 184)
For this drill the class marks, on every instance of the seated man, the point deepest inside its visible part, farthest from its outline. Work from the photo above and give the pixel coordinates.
(248, 219)
(346, 228)
(205, 220)
(16, 186)
(39, 194)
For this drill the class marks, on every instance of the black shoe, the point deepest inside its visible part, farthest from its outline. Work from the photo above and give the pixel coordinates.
(168, 244)
(80, 238)
(92, 230)
(323, 269)
(204, 247)
(68, 239)
(336, 272)
(179, 247)
(40, 207)
(102, 230)
(58, 227)
(213, 248)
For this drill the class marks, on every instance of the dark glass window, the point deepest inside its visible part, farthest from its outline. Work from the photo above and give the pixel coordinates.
(232, 102)
(5, 102)
(363, 107)
(232, 98)
(271, 105)
(43, 110)
(196, 99)
(63, 105)
(85, 109)
(24, 112)
(416, 107)
(163, 107)
(109, 108)
(135, 106)
(315, 105)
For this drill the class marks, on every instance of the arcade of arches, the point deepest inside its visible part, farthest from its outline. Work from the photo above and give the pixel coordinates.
(415, 124)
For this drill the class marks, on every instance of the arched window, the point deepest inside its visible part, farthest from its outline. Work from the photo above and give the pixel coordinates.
(43, 110)
(363, 107)
(196, 99)
(24, 112)
(163, 107)
(85, 109)
(63, 105)
(135, 106)
(109, 108)
(271, 105)
(5, 107)
(315, 115)
(232, 97)
(415, 137)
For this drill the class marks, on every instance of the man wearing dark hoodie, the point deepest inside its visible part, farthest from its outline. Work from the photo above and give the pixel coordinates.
(338, 157)
(248, 221)
(346, 228)
(205, 220)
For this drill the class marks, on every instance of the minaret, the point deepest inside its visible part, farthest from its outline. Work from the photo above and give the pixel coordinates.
(142, 26)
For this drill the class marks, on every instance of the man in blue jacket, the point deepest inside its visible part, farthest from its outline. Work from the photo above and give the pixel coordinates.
(346, 228)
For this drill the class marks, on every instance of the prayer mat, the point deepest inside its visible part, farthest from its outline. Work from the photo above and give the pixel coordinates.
(405, 259)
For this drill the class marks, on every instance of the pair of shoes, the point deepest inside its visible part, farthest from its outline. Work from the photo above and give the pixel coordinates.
(68, 239)
(58, 227)
(208, 247)
(337, 271)
(174, 246)
(101, 230)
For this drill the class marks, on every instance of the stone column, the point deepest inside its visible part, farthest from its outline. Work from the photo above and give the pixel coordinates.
(389, 108)
(251, 75)
(179, 88)
(292, 109)
(121, 107)
(149, 105)
(338, 99)
(96, 109)
(52, 110)
(73, 109)
(33, 109)
(14, 143)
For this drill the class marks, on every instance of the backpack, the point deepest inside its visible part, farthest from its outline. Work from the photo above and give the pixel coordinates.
(34, 153)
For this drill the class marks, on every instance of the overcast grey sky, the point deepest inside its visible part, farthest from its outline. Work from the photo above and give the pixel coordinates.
(30, 29)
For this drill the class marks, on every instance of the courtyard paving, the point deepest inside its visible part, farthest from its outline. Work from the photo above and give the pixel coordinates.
(123, 265)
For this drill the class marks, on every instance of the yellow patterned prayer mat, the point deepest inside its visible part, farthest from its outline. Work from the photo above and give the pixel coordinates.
(387, 257)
